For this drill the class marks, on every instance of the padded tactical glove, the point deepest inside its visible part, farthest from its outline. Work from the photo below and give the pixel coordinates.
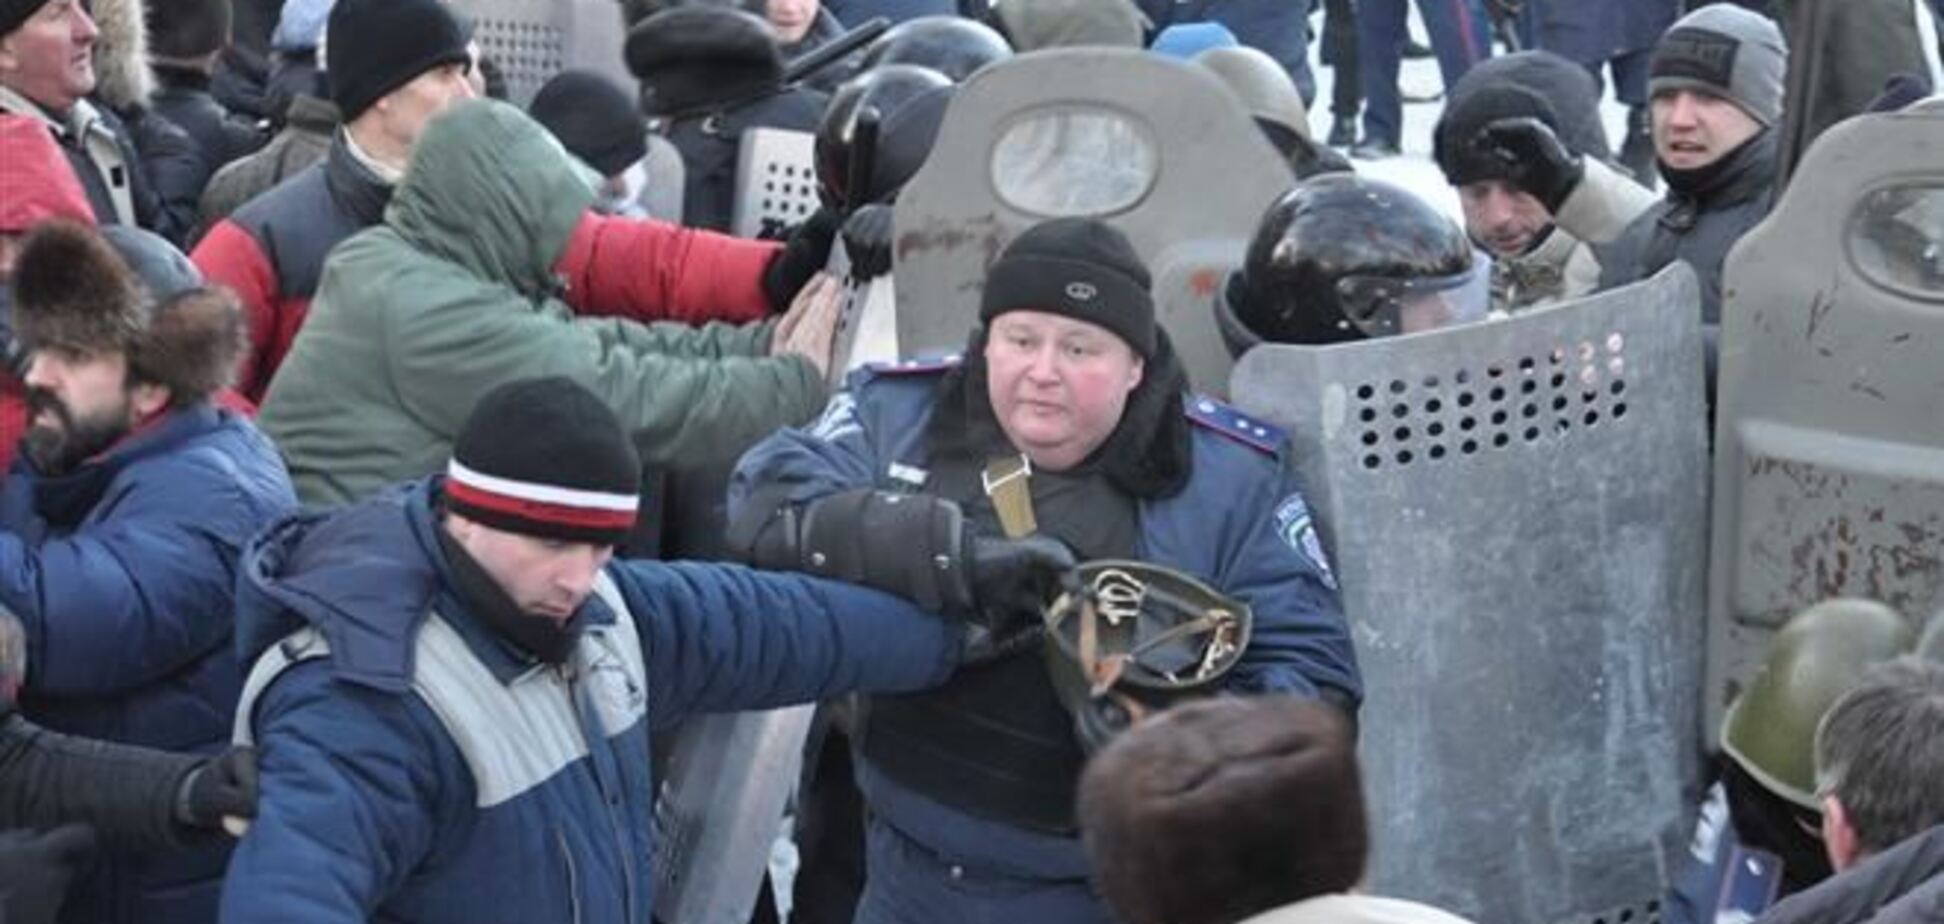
(223, 787)
(35, 869)
(807, 252)
(1539, 163)
(867, 238)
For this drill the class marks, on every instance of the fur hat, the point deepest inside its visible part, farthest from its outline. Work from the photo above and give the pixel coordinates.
(1222, 809)
(123, 78)
(72, 288)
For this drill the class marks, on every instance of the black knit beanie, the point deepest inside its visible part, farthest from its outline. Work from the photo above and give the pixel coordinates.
(1082, 268)
(546, 458)
(1529, 84)
(15, 12)
(594, 119)
(378, 46)
(185, 30)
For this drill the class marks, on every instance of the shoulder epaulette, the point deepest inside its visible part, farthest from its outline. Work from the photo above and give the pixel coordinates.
(1227, 421)
(926, 365)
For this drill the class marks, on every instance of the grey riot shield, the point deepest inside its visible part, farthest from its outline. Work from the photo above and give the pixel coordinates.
(1516, 513)
(1829, 441)
(532, 40)
(776, 182)
(665, 180)
(720, 808)
(1157, 146)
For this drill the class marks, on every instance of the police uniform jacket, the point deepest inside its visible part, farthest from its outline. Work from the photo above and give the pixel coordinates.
(1241, 525)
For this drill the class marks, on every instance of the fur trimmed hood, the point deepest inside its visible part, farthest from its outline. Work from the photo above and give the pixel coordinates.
(123, 77)
(72, 287)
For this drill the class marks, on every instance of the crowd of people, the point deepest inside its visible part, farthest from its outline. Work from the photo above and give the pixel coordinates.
(349, 409)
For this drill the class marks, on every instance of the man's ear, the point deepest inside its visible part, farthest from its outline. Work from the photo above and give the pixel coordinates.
(1839, 837)
(1135, 373)
(148, 399)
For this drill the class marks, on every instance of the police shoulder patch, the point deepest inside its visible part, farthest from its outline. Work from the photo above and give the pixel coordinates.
(1227, 421)
(921, 366)
(1298, 531)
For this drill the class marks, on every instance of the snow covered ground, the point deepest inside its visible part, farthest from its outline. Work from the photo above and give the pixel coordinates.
(1415, 171)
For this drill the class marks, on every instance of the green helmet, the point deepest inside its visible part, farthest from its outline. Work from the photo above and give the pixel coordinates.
(1129, 638)
(1770, 730)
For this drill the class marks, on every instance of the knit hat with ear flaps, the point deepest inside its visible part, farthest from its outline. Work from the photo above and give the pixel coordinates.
(1729, 52)
(1082, 268)
(545, 458)
(73, 287)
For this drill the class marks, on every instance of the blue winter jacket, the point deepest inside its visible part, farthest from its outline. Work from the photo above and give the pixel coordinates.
(415, 767)
(122, 574)
(1241, 525)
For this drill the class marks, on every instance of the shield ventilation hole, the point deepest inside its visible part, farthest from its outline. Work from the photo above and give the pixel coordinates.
(1647, 912)
(1521, 400)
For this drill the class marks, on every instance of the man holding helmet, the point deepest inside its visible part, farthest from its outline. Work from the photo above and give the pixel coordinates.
(1069, 418)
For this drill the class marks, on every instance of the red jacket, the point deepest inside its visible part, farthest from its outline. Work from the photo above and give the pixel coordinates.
(272, 252)
(36, 184)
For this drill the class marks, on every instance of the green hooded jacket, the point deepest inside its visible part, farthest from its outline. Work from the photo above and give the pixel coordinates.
(416, 318)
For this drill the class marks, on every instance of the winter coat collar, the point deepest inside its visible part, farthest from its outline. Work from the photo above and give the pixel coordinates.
(1747, 173)
(1856, 895)
(367, 577)
(63, 501)
(362, 193)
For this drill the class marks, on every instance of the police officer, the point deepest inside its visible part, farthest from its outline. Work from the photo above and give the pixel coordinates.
(1757, 839)
(1068, 419)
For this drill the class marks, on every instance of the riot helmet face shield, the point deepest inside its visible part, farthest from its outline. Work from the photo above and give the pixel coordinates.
(1386, 306)
(1341, 258)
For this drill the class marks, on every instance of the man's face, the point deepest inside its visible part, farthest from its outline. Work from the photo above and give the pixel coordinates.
(544, 577)
(1057, 385)
(78, 405)
(792, 18)
(1501, 217)
(50, 58)
(404, 112)
(1693, 129)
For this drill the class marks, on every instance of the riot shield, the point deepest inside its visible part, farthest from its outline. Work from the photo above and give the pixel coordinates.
(1829, 440)
(532, 40)
(776, 183)
(1516, 513)
(720, 808)
(1156, 146)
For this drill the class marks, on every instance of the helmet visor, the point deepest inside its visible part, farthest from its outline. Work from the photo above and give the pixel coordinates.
(1385, 306)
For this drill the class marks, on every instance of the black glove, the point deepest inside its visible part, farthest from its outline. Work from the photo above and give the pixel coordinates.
(807, 252)
(35, 869)
(1012, 581)
(223, 786)
(867, 238)
(1539, 163)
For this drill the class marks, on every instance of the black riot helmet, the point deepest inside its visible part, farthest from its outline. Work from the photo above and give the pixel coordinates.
(951, 45)
(1340, 257)
(887, 90)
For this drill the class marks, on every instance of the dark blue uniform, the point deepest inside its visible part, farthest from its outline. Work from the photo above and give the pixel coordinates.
(954, 836)
(1459, 36)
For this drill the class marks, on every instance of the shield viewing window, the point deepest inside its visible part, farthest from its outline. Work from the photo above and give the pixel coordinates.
(1896, 240)
(1064, 161)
